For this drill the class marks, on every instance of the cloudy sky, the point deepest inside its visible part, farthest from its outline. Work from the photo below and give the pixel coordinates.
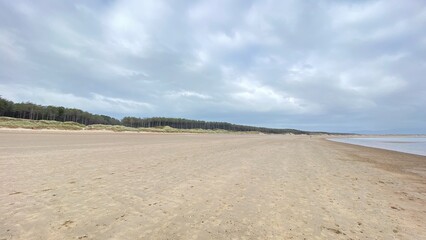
(327, 65)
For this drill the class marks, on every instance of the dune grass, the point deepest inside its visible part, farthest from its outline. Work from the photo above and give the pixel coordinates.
(165, 129)
(8, 122)
(114, 128)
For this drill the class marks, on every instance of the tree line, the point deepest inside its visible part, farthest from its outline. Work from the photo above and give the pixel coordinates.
(183, 123)
(33, 111)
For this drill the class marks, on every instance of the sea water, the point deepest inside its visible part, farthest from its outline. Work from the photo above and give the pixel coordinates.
(414, 145)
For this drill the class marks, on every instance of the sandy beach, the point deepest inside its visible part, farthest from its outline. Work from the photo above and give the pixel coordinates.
(103, 185)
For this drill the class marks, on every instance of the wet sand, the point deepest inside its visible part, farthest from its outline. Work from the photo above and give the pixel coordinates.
(94, 185)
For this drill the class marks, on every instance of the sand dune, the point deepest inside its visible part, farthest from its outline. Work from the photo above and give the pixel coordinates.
(93, 185)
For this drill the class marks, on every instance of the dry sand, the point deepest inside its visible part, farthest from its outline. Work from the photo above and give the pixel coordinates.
(85, 185)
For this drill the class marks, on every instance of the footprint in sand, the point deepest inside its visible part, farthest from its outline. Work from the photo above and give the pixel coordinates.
(15, 193)
(66, 224)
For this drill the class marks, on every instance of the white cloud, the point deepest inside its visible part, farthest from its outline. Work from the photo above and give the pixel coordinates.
(25, 9)
(10, 46)
(122, 105)
(67, 52)
(233, 40)
(211, 12)
(370, 84)
(300, 73)
(252, 95)
(197, 61)
(128, 25)
(125, 72)
(187, 94)
(269, 60)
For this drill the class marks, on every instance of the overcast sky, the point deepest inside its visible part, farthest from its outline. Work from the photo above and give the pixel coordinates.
(313, 65)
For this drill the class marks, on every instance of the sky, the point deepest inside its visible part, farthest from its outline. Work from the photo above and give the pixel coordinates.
(325, 65)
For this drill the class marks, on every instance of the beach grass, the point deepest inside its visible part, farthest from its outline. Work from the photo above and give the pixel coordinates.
(8, 122)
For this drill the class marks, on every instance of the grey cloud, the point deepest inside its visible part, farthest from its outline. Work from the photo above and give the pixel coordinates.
(323, 65)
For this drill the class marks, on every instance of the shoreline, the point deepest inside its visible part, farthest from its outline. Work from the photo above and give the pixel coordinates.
(383, 147)
(389, 160)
